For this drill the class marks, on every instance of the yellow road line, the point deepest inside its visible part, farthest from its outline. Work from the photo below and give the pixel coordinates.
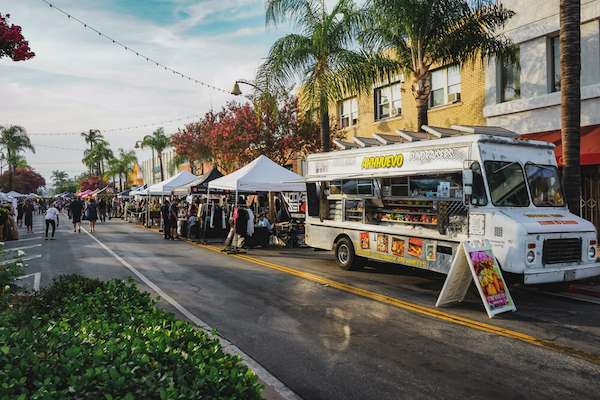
(548, 344)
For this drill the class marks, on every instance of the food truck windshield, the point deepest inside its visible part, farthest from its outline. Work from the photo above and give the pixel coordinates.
(508, 186)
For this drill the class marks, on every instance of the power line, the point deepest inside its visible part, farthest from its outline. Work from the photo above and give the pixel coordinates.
(56, 147)
(115, 129)
(148, 59)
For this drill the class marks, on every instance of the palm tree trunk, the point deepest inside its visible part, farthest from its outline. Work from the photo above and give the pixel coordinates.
(10, 177)
(325, 130)
(570, 72)
(162, 176)
(422, 107)
(120, 183)
(421, 89)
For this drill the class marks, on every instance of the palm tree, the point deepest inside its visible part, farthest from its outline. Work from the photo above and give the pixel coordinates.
(115, 167)
(93, 136)
(427, 33)
(102, 153)
(322, 57)
(157, 141)
(570, 73)
(127, 159)
(59, 178)
(15, 140)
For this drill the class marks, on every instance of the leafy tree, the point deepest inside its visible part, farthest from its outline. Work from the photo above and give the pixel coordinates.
(114, 168)
(159, 142)
(59, 178)
(12, 43)
(237, 134)
(71, 187)
(424, 33)
(570, 87)
(322, 57)
(15, 140)
(90, 183)
(25, 180)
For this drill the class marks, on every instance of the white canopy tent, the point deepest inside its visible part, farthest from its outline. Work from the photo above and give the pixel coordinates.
(165, 187)
(261, 175)
(16, 195)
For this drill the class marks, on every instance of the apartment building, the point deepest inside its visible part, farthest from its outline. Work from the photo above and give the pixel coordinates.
(527, 99)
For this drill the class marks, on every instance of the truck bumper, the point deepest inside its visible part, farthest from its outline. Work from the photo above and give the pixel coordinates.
(561, 274)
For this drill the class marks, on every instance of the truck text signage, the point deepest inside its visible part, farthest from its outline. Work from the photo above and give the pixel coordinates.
(386, 161)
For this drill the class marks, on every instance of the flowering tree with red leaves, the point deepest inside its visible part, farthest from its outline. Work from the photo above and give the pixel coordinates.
(239, 133)
(25, 181)
(90, 183)
(12, 42)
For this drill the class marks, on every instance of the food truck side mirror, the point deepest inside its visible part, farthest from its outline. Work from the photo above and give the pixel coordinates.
(467, 177)
(467, 190)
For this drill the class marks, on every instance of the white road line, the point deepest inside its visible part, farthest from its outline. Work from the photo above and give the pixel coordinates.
(33, 238)
(37, 277)
(265, 375)
(22, 259)
(25, 247)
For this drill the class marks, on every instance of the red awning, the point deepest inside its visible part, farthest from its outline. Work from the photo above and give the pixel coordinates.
(590, 144)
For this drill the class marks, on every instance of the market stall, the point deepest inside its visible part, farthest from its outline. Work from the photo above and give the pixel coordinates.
(261, 175)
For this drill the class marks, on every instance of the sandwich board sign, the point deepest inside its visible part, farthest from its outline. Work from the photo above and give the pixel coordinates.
(477, 261)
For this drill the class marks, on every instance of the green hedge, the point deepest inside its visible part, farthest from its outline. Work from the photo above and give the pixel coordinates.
(84, 338)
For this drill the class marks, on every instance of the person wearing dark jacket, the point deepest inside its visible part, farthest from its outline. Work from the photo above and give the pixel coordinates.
(164, 210)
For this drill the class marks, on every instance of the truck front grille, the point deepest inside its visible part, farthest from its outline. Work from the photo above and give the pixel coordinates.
(557, 251)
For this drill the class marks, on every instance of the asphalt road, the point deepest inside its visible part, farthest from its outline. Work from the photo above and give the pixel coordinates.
(324, 333)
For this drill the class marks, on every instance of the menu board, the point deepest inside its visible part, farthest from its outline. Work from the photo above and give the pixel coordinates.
(479, 259)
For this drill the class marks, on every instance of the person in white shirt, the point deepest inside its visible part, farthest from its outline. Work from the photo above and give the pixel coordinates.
(51, 219)
(264, 221)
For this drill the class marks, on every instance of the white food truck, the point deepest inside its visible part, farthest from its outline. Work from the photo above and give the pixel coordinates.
(412, 198)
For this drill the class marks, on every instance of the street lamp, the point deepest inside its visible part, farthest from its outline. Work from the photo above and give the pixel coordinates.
(236, 87)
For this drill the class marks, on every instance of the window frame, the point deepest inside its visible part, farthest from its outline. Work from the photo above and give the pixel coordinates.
(351, 114)
(394, 87)
(516, 71)
(554, 84)
(445, 88)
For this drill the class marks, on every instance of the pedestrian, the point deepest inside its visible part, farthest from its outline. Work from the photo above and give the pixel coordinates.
(91, 214)
(20, 214)
(76, 208)
(173, 218)
(264, 221)
(51, 219)
(164, 210)
(102, 209)
(28, 215)
(193, 226)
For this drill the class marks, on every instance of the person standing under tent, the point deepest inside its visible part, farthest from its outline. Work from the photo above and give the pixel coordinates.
(76, 208)
(52, 219)
(28, 215)
(91, 215)
(173, 218)
(164, 211)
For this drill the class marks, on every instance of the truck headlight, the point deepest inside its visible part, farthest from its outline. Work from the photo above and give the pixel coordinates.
(530, 257)
(592, 252)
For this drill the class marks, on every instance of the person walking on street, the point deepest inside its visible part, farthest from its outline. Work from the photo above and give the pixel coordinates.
(102, 209)
(164, 210)
(173, 218)
(76, 208)
(28, 214)
(20, 214)
(91, 215)
(51, 219)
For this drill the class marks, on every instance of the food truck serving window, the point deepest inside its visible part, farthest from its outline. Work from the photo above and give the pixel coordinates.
(352, 187)
(506, 183)
(544, 184)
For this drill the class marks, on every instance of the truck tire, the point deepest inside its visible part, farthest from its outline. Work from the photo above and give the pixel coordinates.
(345, 256)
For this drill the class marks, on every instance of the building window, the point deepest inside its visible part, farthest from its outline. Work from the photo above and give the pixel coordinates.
(348, 112)
(388, 101)
(510, 80)
(445, 86)
(555, 66)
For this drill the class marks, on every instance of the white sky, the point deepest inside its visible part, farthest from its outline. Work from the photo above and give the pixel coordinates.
(79, 81)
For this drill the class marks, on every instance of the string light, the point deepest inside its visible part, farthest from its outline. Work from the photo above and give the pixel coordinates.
(111, 130)
(100, 34)
(56, 147)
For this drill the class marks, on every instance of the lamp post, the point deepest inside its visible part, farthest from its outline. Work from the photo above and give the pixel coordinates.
(137, 146)
(236, 87)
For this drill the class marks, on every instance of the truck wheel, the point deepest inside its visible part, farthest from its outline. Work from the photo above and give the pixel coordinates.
(344, 254)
